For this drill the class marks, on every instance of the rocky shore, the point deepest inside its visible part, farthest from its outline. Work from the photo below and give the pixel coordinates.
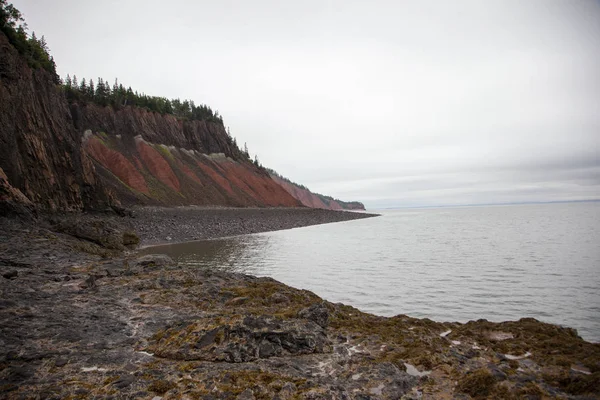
(83, 316)
(159, 224)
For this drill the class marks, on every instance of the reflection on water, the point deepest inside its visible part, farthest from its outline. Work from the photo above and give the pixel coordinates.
(235, 254)
(498, 263)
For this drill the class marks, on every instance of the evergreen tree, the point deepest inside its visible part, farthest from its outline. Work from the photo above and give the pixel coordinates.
(91, 90)
(44, 45)
(34, 50)
(102, 92)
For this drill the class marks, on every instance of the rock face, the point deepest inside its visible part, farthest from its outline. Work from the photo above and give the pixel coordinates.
(78, 156)
(58, 156)
(142, 172)
(40, 150)
(315, 200)
(12, 201)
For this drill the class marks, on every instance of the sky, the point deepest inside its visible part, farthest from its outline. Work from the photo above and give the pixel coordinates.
(392, 103)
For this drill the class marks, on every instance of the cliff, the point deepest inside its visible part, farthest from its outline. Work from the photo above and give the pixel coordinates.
(314, 200)
(58, 156)
(40, 150)
(149, 158)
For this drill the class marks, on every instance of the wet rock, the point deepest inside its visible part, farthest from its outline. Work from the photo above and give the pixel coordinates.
(287, 391)
(496, 372)
(113, 269)
(11, 274)
(124, 381)
(17, 374)
(279, 298)
(89, 282)
(153, 261)
(248, 340)
(95, 230)
(317, 313)
(246, 395)
(61, 362)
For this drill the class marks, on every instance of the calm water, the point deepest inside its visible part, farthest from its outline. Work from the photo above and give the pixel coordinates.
(447, 264)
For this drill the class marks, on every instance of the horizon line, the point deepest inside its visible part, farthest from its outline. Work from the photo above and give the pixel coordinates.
(487, 204)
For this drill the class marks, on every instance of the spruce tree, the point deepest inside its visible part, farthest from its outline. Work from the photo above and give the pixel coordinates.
(91, 90)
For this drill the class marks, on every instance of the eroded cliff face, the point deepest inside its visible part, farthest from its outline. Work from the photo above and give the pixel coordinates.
(314, 200)
(149, 158)
(142, 172)
(58, 156)
(40, 150)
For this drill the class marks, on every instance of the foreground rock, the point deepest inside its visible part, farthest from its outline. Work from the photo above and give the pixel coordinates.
(102, 323)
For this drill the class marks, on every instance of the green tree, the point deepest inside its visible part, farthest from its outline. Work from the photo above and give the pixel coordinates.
(34, 50)
(102, 92)
(91, 90)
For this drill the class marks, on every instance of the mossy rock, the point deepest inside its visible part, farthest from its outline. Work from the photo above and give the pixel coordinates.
(130, 239)
(478, 384)
(161, 386)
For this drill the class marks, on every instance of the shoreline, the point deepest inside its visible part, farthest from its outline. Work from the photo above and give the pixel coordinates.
(160, 226)
(83, 317)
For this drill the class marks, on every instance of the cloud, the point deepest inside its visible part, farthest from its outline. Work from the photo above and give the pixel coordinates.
(392, 103)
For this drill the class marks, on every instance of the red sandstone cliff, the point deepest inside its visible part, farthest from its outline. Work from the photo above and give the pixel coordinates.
(315, 200)
(60, 156)
(142, 172)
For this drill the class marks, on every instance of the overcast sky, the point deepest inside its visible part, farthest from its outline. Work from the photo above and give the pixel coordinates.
(394, 103)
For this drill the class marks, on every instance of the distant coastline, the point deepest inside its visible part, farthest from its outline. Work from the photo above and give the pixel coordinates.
(485, 204)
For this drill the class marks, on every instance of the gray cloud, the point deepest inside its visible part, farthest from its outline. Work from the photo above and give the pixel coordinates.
(393, 103)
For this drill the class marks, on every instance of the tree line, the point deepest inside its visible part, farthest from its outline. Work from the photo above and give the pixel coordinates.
(34, 50)
(118, 96)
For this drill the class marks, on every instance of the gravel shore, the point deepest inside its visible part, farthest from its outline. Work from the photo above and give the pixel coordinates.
(157, 225)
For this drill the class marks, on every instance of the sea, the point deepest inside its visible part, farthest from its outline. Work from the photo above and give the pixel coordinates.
(448, 264)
